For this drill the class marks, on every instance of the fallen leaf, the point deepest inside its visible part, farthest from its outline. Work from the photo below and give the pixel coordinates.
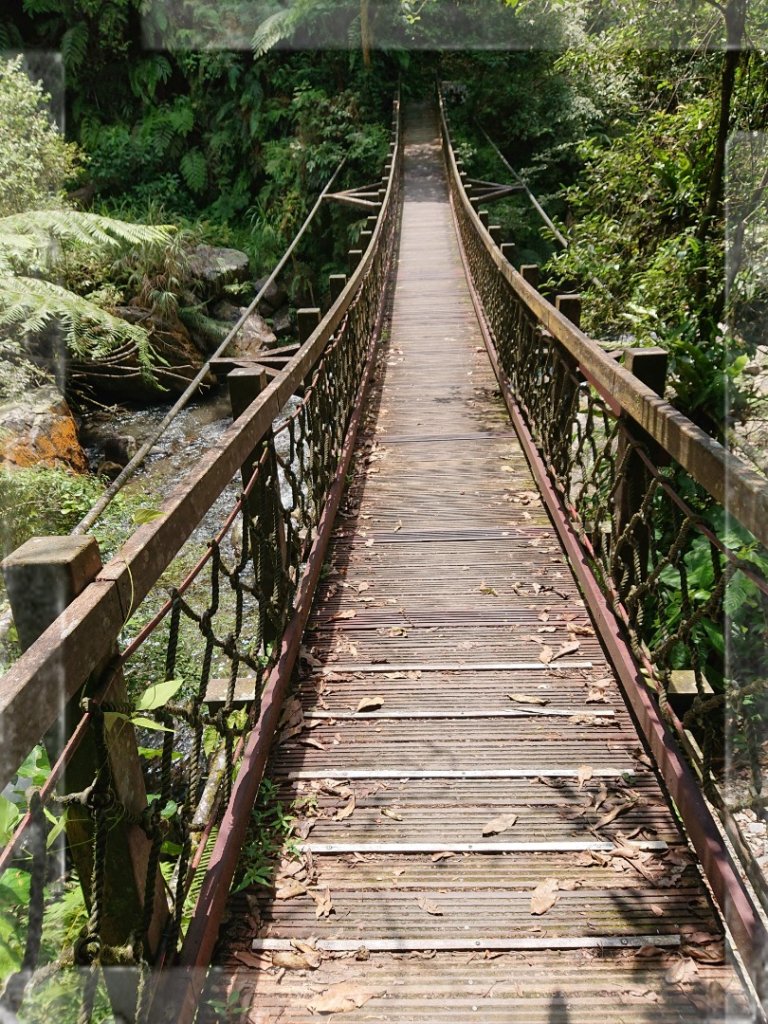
(545, 896)
(350, 613)
(310, 742)
(525, 698)
(683, 972)
(613, 814)
(370, 703)
(311, 954)
(656, 910)
(292, 960)
(342, 997)
(347, 811)
(290, 889)
(429, 907)
(488, 590)
(250, 959)
(397, 631)
(649, 952)
(712, 954)
(362, 587)
(546, 654)
(584, 774)
(389, 812)
(323, 902)
(566, 649)
(499, 824)
(443, 855)
(397, 526)
(369, 543)
(547, 629)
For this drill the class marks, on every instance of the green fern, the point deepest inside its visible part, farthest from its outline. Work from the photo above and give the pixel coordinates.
(29, 240)
(194, 170)
(74, 46)
(30, 306)
(272, 30)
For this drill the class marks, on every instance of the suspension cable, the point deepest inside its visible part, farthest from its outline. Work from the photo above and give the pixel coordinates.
(90, 518)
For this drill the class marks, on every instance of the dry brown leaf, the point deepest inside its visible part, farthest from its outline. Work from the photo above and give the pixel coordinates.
(389, 812)
(370, 703)
(484, 589)
(656, 910)
(288, 890)
(649, 952)
(684, 972)
(342, 997)
(525, 698)
(292, 960)
(443, 855)
(346, 812)
(311, 954)
(310, 742)
(546, 654)
(397, 631)
(350, 613)
(369, 543)
(499, 824)
(323, 902)
(712, 954)
(429, 907)
(545, 896)
(585, 773)
(613, 814)
(571, 648)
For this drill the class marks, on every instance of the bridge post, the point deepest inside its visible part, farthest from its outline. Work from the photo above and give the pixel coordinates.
(650, 366)
(353, 258)
(530, 273)
(565, 386)
(307, 320)
(365, 239)
(336, 285)
(270, 556)
(495, 233)
(43, 576)
(508, 251)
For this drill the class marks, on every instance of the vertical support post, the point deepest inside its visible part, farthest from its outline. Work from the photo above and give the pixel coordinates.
(530, 273)
(508, 250)
(43, 576)
(365, 239)
(353, 257)
(650, 366)
(307, 320)
(484, 217)
(495, 233)
(370, 223)
(336, 285)
(570, 307)
(467, 189)
(245, 384)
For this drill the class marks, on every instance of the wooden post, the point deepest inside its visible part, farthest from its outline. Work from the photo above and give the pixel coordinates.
(495, 233)
(353, 258)
(565, 378)
(650, 366)
(336, 285)
(307, 320)
(365, 239)
(570, 307)
(508, 251)
(530, 273)
(43, 576)
(484, 217)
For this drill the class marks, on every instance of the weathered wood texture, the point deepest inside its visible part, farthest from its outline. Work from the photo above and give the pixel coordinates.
(445, 569)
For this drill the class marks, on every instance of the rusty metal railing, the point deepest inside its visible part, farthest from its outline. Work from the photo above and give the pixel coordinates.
(154, 775)
(667, 533)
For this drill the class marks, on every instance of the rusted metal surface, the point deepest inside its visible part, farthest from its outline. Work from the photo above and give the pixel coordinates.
(447, 591)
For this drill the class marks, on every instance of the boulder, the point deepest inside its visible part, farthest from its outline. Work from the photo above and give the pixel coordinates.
(38, 429)
(213, 268)
(119, 375)
(273, 298)
(253, 337)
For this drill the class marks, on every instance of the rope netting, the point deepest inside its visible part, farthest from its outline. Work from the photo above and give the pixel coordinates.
(123, 890)
(686, 581)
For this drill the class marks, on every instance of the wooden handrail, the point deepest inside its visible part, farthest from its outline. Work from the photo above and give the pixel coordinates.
(726, 477)
(57, 665)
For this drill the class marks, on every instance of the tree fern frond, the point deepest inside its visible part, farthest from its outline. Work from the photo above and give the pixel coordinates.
(25, 238)
(272, 30)
(74, 46)
(30, 305)
(194, 170)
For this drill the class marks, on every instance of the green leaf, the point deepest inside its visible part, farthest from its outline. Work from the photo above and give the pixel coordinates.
(157, 695)
(58, 826)
(146, 515)
(149, 723)
(10, 816)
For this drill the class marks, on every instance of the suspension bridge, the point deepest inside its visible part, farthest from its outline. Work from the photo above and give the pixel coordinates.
(469, 630)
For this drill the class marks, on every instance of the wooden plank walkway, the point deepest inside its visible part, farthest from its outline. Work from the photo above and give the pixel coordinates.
(484, 837)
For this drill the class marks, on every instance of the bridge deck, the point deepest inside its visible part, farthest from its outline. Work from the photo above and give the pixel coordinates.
(489, 830)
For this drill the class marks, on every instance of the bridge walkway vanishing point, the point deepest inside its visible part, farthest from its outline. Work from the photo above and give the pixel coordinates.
(483, 836)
